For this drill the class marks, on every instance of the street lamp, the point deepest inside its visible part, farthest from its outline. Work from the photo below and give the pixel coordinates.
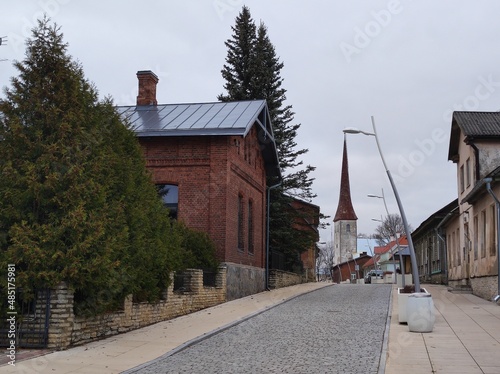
(413, 258)
(401, 264)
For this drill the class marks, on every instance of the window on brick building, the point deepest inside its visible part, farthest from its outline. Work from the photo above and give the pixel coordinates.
(250, 227)
(169, 194)
(241, 240)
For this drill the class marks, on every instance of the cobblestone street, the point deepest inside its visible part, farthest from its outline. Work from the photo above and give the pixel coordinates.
(337, 329)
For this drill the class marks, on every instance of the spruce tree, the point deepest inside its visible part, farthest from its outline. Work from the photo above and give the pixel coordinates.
(238, 71)
(253, 71)
(76, 202)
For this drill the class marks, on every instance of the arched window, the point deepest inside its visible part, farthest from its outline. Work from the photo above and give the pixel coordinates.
(348, 228)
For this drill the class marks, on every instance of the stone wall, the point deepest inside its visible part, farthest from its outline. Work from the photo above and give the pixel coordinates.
(485, 287)
(66, 329)
(243, 280)
(279, 279)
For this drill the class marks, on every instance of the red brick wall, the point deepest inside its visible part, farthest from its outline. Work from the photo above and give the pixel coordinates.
(246, 177)
(347, 267)
(211, 172)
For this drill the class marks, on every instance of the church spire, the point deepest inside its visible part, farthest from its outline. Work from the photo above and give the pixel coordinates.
(345, 211)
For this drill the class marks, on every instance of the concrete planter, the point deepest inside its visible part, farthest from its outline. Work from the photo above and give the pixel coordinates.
(420, 312)
(402, 305)
(408, 279)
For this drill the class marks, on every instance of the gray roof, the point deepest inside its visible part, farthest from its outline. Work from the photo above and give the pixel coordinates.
(206, 119)
(479, 124)
(217, 118)
(405, 251)
(474, 125)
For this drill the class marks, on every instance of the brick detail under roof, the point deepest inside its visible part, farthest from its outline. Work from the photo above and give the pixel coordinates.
(345, 210)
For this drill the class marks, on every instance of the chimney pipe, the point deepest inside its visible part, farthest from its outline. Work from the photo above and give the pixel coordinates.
(147, 88)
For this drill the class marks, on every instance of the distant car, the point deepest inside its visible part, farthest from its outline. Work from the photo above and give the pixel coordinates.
(373, 273)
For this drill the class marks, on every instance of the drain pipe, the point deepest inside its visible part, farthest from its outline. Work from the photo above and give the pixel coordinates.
(267, 229)
(497, 203)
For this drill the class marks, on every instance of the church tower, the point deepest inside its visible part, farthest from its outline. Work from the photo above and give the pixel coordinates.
(345, 220)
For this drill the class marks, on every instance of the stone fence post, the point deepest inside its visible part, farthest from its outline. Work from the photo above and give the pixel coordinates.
(61, 317)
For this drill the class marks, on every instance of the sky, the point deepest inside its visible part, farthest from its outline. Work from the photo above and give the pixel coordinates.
(409, 64)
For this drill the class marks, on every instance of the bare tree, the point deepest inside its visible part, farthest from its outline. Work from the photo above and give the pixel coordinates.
(326, 258)
(391, 227)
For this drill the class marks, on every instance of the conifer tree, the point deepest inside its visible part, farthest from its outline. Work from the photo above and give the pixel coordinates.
(253, 71)
(76, 202)
(238, 71)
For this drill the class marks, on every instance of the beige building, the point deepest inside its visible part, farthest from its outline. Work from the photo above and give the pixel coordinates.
(471, 235)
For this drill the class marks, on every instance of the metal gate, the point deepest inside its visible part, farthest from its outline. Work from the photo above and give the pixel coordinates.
(31, 327)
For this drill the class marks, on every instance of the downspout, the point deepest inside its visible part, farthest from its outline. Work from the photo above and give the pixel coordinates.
(267, 229)
(497, 203)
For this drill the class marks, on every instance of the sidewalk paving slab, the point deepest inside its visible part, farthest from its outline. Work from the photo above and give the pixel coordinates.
(465, 338)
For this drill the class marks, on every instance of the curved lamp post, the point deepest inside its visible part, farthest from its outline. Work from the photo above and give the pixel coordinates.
(351, 130)
(401, 264)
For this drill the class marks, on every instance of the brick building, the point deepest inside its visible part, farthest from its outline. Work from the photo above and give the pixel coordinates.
(350, 270)
(307, 219)
(211, 160)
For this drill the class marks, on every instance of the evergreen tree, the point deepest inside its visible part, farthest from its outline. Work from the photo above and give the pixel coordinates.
(76, 202)
(253, 71)
(238, 71)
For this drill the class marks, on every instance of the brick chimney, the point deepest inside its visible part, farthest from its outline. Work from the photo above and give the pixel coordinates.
(147, 87)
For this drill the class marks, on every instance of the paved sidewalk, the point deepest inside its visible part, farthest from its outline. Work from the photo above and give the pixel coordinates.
(125, 351)
(465, 339)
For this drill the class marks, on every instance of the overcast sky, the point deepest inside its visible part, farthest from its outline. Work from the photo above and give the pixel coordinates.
(407, 63)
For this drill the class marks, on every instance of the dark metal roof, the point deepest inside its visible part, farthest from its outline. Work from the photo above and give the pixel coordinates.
(474, 125)
(405, 251)
(217, 118)
(206, 119)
